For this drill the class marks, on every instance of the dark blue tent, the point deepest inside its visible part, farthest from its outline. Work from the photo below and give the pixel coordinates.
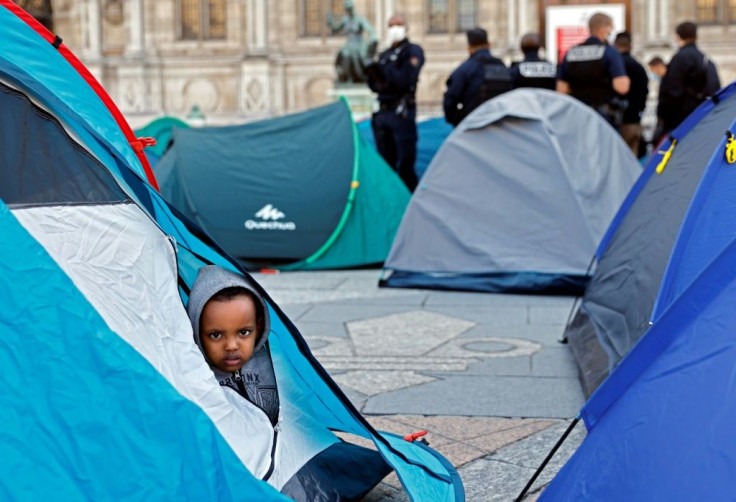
(618, 303)
(660, 427)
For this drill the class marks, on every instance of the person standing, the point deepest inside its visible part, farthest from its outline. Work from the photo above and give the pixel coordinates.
(394, 77)
(636, 98)
(658, 68)
(691, 77)
(533, 71)
(480, 78)
(594, 72)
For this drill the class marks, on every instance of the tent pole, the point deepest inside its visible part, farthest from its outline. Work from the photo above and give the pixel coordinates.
(549, 457)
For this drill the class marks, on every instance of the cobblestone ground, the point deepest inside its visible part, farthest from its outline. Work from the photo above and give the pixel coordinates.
(484, 374)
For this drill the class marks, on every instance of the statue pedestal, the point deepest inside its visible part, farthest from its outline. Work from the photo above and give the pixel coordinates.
(361, 100)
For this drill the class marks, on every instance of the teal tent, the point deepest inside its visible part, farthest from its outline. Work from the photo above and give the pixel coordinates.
(303, 191)
(105, 395)
(161, 130)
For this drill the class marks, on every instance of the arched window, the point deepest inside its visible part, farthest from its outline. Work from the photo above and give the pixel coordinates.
(39, 9)
(202, 19)
(451, 16)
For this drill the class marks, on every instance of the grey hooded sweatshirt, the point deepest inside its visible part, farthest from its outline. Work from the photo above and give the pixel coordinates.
(255, 381)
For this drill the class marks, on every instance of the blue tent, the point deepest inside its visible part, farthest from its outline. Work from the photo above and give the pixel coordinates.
(660, 426)
(430, 132)
(630, 261)
(105, 396)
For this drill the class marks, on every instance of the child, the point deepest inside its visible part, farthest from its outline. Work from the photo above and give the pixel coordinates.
(231, 324)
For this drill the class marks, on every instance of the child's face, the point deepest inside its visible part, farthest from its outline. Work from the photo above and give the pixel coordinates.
(229, 330)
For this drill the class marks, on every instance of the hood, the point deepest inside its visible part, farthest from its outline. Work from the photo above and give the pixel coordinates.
(210, 280)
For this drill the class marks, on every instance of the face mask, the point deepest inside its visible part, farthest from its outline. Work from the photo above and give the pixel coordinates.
(653, 77)
(395, 33)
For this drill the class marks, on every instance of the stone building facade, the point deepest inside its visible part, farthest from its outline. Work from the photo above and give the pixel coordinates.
(240, 60)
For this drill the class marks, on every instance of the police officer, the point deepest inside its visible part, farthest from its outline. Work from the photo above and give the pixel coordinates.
(533, 71)
(394, 77)
(636, 99)
(594, 72)
(480, 78)
(691, 77)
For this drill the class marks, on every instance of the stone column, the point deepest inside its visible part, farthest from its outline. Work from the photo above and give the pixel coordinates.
(380, 20)
(651, 19)
(511, 22)
(92, 28)
(93, 45)
(664, 17)
(257, 23)
(134, 15)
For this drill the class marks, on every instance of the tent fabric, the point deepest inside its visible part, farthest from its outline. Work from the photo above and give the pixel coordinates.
(160, 129)
(73, 84)
(100, 371)
(279, 192)
(516, 199)
(659, 425)
(617, 306)
(431, 133)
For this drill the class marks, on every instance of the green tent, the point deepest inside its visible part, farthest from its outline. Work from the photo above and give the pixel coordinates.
(161, 130)
(302, 191)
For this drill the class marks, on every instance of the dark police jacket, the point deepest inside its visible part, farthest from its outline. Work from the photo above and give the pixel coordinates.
(589, 68)
(396, 73)
(478, 79)
(636, 98)
(690, 78)
(533, 71)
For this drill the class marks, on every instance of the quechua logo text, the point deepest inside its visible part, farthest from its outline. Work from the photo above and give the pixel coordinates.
(269, 218)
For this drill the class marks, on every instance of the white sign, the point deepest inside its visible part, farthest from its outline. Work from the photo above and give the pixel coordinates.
(567, 25)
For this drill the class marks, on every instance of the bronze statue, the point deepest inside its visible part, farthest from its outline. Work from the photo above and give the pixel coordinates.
(357, 52)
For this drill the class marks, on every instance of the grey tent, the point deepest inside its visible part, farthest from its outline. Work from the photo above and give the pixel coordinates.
(631, 259)
(516, 199)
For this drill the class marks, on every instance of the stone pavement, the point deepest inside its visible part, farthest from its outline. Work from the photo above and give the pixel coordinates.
(483, 373)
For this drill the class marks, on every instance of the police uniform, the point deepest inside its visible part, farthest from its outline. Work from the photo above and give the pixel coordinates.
(691, 77)
(394, 77)
(478, 79)
(590, 68)
(636, 102)
(533, 71)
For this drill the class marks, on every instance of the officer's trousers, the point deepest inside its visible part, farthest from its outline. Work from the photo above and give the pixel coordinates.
(396, 141)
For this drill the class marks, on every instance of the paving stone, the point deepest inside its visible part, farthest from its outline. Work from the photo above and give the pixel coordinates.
(489, 316)
(462, 428)
(493, 481)
(497, 440)
(549, 315)
(309, 328)
(392, 334)
(294, 310)
(555, 362)
(392, 297)
(495, 299)
(459, 454)
(530, 452)
(511, 366)
(504, 396)
(301, 280)
(352, 312)
(371, 383)
(546, 335)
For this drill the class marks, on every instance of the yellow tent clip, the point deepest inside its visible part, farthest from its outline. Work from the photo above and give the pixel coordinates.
(355, 184)
(666, 157)
(730, 148)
